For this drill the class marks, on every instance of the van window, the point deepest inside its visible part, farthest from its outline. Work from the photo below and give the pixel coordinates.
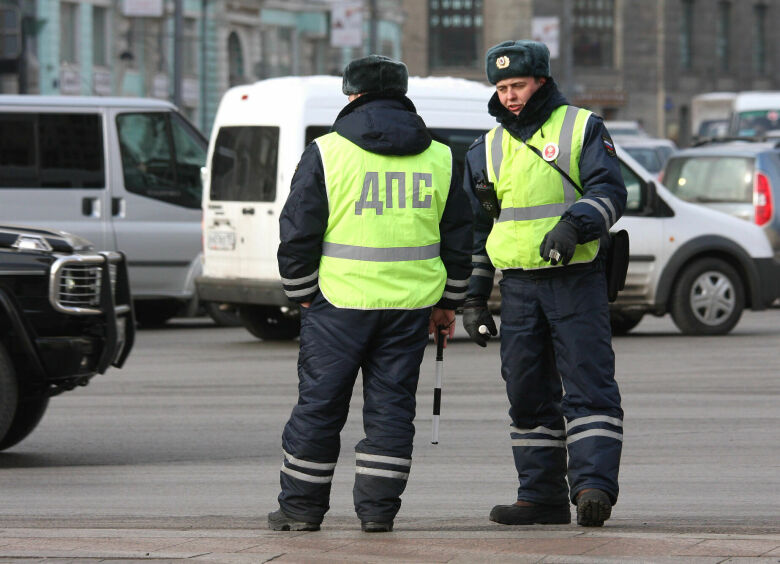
(243, 168)
(51, 151)
(634, 203)
(458, 141)
(711, 179)
(758, 122)
(161, 157)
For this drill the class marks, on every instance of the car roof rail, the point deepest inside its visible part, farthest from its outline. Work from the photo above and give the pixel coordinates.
(707, 140)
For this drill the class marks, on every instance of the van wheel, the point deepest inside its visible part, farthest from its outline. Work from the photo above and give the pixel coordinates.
(9, 392)
(623, 321)
(155, 313)
(29, 413)
(708, 298)
(224, 315)
(269, 322)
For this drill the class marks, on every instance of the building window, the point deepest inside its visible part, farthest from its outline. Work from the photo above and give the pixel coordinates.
(455, 33)
(759, 39)
(277, 52)
(99, 36)
(235, 60)
(68, 33)
(686, 35)
(189, 50)
(10, 32)
(594, 33)
(723, 32)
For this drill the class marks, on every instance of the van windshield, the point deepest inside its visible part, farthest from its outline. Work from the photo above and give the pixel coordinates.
(711, 179)
(244, 165)
(758, 122)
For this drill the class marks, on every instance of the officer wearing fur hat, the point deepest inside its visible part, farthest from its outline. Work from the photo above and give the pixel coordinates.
(375, 245)
(555, 175)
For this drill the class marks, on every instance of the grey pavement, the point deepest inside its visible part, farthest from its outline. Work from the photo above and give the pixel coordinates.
(176, 458)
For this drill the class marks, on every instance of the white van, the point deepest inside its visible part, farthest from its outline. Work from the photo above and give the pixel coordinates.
(756, 114)
(121, 172)
(261, 130)
(710, 114)
(259, 133)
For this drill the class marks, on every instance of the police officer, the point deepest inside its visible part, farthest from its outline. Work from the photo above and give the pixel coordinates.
(556, 176)
(375, 244)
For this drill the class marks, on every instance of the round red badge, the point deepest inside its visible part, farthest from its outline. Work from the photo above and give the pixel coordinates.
(550, 152)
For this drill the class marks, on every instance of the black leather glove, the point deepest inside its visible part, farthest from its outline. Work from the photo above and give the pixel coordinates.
(561, 241)
(475, 315)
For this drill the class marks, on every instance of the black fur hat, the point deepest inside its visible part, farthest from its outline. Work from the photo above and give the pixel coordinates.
(375, 73)
(517, 58)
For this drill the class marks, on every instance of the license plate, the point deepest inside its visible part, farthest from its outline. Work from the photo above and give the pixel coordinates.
(221, 240)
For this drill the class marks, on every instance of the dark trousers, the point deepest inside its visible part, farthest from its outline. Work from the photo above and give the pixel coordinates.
(559, 368)
(387, 346)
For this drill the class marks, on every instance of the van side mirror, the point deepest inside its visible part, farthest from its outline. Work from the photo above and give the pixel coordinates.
(651, 198)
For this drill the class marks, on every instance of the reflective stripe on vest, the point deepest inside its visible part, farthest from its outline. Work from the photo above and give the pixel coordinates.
(381, 246)
(530, 208)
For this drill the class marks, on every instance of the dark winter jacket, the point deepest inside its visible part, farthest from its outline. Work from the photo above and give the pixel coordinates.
(386, 125)
(600, 181)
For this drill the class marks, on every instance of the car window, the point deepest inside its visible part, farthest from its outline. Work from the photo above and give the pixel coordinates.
(758, 122)
(634, 200)
(711, 179)
(161, 157)
(648, 157)
(244, 165)
(458, 140)
(39, 150)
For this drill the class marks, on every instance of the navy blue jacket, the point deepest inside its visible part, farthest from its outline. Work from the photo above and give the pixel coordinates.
(386, 126)
(601, 181)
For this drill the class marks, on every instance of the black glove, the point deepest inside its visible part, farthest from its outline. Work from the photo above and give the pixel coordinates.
(561, 240)
(475, 315)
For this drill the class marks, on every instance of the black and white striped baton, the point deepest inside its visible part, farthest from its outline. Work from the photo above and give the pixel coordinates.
(437, 387)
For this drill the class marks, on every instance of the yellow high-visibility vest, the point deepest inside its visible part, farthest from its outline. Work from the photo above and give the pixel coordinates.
(381, 246)
(532, 193)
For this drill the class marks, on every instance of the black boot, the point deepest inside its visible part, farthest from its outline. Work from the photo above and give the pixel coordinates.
(531, 514)
(376, 526)
(593, 508)
(279, 521)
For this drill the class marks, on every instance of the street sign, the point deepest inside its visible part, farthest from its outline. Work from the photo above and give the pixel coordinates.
(547, 30)
(143, 8)
(10, 33)
(346, 24)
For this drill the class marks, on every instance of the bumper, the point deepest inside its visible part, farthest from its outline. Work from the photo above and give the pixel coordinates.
(241, 291)
(768, 287)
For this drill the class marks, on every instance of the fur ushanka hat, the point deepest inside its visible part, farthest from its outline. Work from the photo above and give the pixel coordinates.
(517, 58)
(375, 73)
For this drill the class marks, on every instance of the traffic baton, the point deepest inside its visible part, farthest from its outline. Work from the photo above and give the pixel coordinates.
(437, 386)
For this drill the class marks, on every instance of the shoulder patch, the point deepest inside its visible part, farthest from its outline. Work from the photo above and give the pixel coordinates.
(608, 145)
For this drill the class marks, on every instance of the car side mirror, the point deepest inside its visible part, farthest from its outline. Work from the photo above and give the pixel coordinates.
(650, 199)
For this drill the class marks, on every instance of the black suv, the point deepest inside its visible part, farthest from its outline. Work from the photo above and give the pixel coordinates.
(65, 315)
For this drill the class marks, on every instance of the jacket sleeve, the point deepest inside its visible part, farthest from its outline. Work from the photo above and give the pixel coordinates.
(455, 229)
(604, 192)
(302, 226)
(482, 269)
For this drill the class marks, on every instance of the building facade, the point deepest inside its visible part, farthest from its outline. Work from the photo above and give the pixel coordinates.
(624, 59)
(127, 47)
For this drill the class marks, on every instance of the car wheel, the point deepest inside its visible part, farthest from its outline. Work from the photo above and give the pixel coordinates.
(155, 313)
(9, 392)
(29, 413)
(708, 298)
(269, 322)
(623, 321)
(224, 315)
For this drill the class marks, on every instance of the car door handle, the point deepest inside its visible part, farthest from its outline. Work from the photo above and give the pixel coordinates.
(90, 207)
(248, 211)
(118, 207)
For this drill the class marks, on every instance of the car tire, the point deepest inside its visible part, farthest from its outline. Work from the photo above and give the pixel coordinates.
(708, 298)
(623, 321)
(224, 315)
(155, 313)
(9, 392)
(29, 413)
(269, 322)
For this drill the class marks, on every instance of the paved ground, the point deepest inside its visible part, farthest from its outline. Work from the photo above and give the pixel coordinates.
(176, 458)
